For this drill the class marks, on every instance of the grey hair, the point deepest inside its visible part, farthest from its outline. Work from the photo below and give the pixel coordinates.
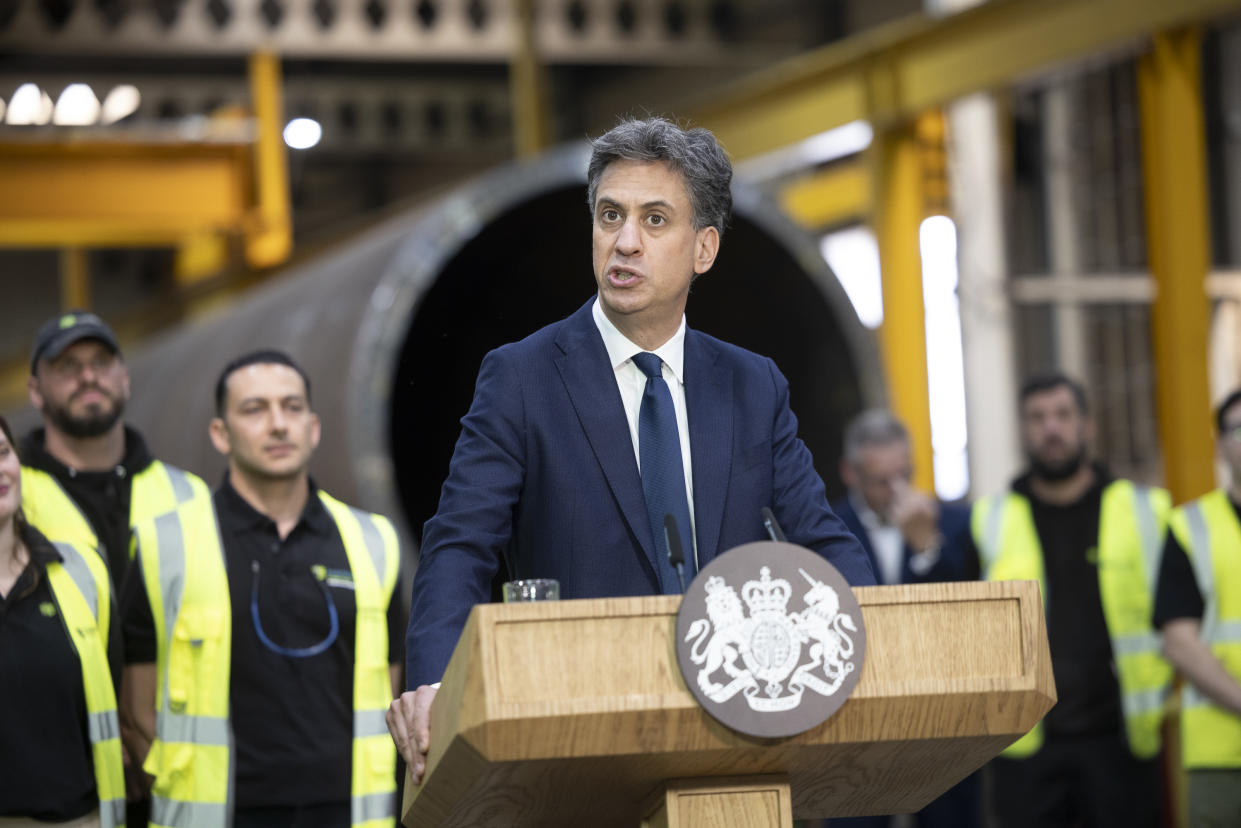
(873, 427)
(694, 153)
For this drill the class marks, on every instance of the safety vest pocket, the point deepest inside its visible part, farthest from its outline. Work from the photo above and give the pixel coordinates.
(194, 654)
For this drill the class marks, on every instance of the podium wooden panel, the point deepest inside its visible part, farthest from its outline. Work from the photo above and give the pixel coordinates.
(570, 713)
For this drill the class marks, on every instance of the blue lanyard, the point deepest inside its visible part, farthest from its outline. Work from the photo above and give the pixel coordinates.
(320, 574)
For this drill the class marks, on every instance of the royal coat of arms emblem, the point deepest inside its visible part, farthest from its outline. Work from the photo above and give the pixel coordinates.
(757, 660)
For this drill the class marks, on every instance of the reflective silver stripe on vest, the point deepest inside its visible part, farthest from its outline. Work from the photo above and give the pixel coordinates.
(369, 723)
(181, 488)
(190, 814)
(1144, 701)
(1125, 645)
(372, 806)
(111, 813)
(374, 543)
(1226, 632)
(103, 726)
(1148, 532)
(1200, 540)
(1191, 697)
(200, 730)
(76, 566)
(994, 524)
(168, 536)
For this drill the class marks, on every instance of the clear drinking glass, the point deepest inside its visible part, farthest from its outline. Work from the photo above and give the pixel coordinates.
(532, 589)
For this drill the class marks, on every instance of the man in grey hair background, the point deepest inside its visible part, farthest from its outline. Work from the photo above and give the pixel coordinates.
(910, 537)
(584, 435)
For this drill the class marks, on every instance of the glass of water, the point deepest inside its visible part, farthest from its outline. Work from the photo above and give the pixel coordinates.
(532, 589)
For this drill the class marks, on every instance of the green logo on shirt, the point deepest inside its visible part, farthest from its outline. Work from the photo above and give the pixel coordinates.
(48, 609)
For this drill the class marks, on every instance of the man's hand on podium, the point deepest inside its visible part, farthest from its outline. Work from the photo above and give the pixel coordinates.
(409, 722)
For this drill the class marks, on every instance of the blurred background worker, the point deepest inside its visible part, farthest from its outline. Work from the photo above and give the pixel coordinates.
(263, 655)
(59, 661)
(911, 538)
(1198, 610)
(87, 476)
(1091, 540)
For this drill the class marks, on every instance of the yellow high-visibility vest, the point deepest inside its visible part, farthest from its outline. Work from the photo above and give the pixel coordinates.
(183, 568)
(1132, 520)
(1208, 531)
(81, 589)
(156, 489)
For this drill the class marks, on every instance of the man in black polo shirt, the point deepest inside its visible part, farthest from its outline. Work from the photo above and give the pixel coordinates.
(1091, 540)
(280, 627)
(1198, 610)
(86, 476)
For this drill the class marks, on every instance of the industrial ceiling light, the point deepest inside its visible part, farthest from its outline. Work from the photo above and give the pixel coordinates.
(29, 106)
(76, 106)
(120, 103)
(302, 133)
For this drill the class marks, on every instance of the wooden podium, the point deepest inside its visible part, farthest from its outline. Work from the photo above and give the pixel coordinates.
(574, 713)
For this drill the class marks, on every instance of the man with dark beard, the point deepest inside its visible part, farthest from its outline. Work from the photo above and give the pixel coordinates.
(88, 477)
(1093, 542)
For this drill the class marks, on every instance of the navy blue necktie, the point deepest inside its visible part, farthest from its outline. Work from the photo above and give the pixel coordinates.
(663, 477)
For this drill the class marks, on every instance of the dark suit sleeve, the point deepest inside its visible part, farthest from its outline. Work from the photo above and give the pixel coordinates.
(801, 499)
(971, 559)
(463, 542)
(958, 546)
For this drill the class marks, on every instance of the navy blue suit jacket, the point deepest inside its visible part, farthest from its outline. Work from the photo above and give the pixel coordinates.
(544, 474)
(954, 525)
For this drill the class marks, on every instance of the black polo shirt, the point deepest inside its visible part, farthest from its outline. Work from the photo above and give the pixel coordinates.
(1178, 595)
(45, 751)
(103, 496)
(1081, 650)
(292, 717)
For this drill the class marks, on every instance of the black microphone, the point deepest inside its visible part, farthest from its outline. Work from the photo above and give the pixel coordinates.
(676, 555)
(773, 528)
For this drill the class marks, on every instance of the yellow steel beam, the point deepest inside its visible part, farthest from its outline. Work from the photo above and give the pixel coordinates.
(269, 239)
(532, 131)
(74, 279)
(896, 72)
(1175, 170)
(94, 194)
(200, 257)
(899, 212)
(833, 195)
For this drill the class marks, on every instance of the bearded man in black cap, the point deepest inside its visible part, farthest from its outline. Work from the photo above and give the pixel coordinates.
(87, 477)
(1093, 542)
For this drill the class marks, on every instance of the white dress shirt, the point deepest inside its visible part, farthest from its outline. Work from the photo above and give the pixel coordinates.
(631, 383)
(885, 541)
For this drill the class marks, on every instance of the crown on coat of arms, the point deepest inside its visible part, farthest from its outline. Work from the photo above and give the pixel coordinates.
(765, 594)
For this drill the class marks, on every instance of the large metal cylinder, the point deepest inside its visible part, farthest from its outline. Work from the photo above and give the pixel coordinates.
(392, 327)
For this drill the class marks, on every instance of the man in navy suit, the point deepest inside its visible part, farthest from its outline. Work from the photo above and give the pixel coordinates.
(547, 473)
(910, 538)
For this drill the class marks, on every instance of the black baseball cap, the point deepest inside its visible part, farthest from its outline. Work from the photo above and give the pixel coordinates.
(63, 330)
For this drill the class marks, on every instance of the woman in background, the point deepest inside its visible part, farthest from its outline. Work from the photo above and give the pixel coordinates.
(59, 664)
